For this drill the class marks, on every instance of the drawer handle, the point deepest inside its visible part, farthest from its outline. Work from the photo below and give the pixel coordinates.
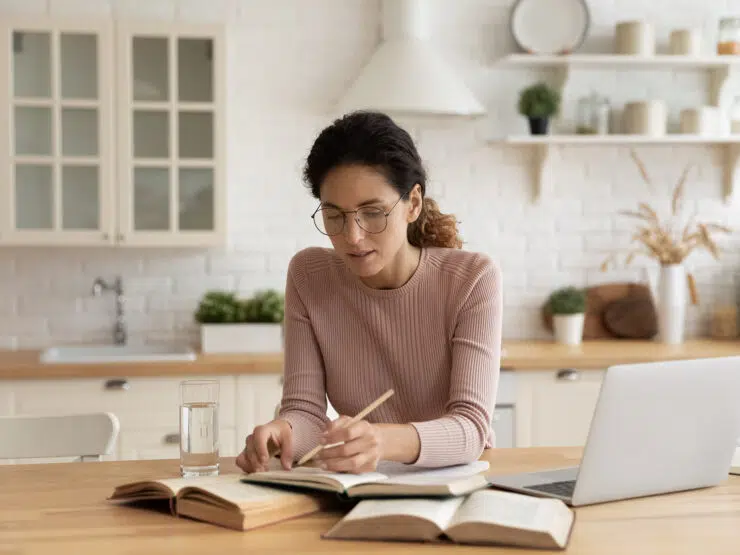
(172, 439)
(568, 374)
(117, 385)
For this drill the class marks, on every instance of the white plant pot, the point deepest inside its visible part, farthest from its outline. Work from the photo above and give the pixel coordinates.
(241, 338)
(568, 328)
(671, 301)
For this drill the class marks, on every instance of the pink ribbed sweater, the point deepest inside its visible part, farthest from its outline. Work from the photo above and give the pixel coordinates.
(436, 341)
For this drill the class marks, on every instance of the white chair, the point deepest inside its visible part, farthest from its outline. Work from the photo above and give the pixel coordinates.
(85, 436)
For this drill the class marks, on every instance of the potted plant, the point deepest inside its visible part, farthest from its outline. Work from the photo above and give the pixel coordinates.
(229, 324)
(669, 241)
(568, 308)
(539, 102)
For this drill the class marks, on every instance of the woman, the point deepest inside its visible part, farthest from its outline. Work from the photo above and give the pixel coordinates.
(395, 304)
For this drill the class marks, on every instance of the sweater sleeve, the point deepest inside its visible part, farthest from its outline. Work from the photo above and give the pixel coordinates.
(303, 402)
(460, 435)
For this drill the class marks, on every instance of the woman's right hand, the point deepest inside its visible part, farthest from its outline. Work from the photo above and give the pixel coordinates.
(263, 442)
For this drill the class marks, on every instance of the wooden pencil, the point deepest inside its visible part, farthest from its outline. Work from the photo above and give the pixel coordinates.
(359, 416)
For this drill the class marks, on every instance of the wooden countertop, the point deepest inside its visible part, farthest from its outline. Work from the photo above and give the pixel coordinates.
(62, 508)
(25, 364)
(518, 355)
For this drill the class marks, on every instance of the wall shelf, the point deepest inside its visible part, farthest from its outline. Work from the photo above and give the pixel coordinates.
(616, 139)
(545, 147)
(622, 61)
(720, 68)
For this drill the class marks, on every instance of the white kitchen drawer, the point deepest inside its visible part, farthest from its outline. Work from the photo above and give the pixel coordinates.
(143, 403)
(7, 399)
(259, 395)
(503, 426)
(151, 444)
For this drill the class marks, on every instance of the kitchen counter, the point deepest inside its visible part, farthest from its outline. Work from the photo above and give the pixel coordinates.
(25, 365)
(598, 354)
(519, 355)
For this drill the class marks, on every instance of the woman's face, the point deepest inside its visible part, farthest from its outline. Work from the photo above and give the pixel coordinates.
(361, 187)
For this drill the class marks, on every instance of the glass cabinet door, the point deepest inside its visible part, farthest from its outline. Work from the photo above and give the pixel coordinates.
(59, 143)
(172, 164)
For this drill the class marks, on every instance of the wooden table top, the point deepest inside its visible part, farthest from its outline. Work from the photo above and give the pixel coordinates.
(62, 508)
(518, 355)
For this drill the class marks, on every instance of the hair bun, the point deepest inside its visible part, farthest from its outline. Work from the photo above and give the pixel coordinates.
(433, 228)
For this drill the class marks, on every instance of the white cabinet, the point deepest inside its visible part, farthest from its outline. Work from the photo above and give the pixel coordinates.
(555, 407)
(116, 134)
(147, 408)
(503, 426)
(259, 396)
(171, 147)
(57, 150)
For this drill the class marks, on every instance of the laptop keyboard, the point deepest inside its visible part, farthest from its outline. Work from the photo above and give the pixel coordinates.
(564, 489)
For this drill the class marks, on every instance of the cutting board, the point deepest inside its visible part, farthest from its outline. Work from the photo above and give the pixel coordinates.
(627, 318)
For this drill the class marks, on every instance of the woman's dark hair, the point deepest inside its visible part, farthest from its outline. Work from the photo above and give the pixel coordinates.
(373, 139)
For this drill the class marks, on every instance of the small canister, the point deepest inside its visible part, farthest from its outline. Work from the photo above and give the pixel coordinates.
(645, 118)
(685, 42)
(703, 120)
(636, 38)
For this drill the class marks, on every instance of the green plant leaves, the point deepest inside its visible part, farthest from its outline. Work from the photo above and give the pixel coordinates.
(539, 101)
(567, 300)
(224, 307)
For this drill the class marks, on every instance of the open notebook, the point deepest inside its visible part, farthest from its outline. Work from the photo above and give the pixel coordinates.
(485, 517)
(391, 479)
(223, 500)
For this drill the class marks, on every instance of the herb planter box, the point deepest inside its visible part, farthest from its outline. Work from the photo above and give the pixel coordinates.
(241, 338)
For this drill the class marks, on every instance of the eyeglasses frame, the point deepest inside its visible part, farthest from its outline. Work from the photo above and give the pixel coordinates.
(344, 218)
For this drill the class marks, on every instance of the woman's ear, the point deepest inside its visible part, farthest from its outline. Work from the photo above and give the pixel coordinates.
(415, 203)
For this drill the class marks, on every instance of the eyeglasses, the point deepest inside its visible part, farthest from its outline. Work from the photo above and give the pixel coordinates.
(331, 221)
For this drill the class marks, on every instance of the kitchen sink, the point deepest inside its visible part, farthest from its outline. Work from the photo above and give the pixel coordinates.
(90, 354)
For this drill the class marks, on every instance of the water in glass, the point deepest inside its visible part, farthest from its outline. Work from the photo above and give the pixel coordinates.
(199, 448)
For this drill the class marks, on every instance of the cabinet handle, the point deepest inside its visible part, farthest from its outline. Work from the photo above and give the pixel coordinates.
(171, 439)
(117, 385)
(120, 236)
(105, 236)
(568, 374)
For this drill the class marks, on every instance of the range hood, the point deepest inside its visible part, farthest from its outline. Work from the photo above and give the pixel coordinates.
(405, 75)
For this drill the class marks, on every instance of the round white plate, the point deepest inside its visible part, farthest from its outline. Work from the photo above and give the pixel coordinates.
(549, 26)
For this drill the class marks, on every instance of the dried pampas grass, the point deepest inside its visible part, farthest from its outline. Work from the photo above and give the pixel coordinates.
(667, 242)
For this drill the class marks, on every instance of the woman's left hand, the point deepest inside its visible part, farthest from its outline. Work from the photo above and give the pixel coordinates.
(361, 450)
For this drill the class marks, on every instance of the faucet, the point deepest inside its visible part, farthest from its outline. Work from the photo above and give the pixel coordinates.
(119, 329)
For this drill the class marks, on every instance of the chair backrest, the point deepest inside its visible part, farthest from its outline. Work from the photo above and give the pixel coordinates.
(75, 435)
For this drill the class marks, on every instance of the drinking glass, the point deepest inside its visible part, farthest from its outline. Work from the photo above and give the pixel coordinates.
(199, 428)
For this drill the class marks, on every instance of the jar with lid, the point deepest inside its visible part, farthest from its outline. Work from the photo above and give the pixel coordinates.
(728, 40)
(593, 115)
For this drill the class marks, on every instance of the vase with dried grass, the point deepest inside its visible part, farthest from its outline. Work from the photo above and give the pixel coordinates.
(669, 242)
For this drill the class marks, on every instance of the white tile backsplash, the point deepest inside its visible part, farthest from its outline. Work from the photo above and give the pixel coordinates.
(288, 62)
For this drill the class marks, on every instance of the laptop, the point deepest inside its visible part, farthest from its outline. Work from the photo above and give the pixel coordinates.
(657, 427)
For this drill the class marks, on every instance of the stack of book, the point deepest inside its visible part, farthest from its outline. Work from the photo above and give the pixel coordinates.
(396, 503)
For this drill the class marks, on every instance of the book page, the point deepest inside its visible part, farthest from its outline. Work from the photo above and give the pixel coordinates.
(176, 484)
(506, 509)
(408, 475)
(387, 472)
(311, 475)
(438, 511)
(243, 495)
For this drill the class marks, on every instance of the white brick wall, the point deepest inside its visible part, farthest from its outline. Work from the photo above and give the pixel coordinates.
(289, 61)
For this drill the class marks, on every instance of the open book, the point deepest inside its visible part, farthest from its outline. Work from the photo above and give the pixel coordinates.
(223, 500)
(485, 517)
(391, 479)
